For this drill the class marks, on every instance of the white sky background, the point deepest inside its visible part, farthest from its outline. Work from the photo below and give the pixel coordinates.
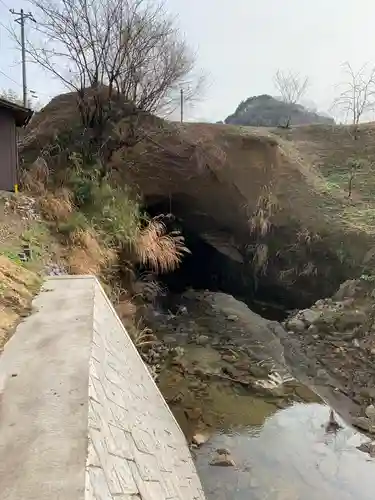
(240, 44)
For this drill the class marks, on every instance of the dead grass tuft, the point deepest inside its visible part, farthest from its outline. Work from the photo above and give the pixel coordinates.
(35, 178)
(260, 258)
(142, 337)
(17, 288)
(260, 222)
(309, 270)
(148, 288)
(158, 249)
(56, 206)
(126, 310)
(87, 255)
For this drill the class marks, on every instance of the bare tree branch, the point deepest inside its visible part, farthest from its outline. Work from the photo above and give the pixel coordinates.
(132, 47)
(357, 96)
(291, 87)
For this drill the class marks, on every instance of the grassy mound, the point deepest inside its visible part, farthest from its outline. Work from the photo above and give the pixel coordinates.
(344, 168)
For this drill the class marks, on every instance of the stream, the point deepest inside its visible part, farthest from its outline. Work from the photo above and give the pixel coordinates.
(229, 384)
(288, 457)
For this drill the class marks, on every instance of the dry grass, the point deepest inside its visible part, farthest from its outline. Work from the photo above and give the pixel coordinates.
(56, 206)
(260, 258)
(148, 288)
(159, 250)
(260, 221)
(35, 178)
(17, 288)
(325, 157)
(87, 255)
(142, 337)
(126, 310)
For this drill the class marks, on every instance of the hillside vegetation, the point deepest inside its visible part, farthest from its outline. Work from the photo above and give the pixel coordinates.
(266, 111)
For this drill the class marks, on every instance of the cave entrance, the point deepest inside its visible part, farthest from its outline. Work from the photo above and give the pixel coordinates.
(207, 268)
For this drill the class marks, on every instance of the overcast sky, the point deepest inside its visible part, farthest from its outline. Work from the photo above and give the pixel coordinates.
(241, 43)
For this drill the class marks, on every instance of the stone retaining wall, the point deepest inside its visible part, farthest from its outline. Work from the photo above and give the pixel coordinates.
(80, 416)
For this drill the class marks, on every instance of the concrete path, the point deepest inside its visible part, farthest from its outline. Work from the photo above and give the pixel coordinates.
(80, 416)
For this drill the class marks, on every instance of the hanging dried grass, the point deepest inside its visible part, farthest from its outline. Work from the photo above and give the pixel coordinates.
(158, 249)
(260, 258)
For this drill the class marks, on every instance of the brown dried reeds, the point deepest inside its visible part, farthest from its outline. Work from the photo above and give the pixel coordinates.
(159, 250)
(56, 206)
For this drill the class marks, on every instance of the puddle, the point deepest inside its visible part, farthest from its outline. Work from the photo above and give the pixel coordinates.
(289, 457)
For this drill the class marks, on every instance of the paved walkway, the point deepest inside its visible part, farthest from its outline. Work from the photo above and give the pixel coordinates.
(80, 416)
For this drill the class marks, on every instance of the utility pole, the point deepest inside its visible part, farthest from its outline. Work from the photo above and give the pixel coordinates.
(182, 104)
(21, 21)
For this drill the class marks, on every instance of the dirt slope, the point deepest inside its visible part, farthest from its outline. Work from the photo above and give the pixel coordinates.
(265, 195)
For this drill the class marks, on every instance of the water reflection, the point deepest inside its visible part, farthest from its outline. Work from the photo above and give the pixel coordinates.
(290, 457)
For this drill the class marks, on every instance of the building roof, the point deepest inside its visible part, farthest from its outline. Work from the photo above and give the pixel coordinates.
(21, 114)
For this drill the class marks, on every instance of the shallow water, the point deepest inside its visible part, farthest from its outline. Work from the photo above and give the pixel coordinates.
(289, 457)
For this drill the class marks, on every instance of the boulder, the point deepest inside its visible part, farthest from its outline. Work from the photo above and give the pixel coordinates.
(347, 290)
(349, 319)
(200, 439)
(313, 330)
(296, 325)
(202, 340)
(362, 423)
(368, 448)
(370, 413)
(310, 316)
(223, 459)
(232, 317)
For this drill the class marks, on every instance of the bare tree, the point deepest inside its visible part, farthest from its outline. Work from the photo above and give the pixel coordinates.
(132, 47)
(292, 88)
(357, 96)
(12, 96)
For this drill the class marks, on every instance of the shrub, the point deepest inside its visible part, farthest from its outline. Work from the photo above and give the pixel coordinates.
(56, 206)
(76, 221)
(115, 214)
(111, 210)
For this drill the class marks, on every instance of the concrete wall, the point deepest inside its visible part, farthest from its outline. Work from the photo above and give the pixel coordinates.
(80, 416)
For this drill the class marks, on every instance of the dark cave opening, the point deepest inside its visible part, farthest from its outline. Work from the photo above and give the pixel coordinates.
(207, 268)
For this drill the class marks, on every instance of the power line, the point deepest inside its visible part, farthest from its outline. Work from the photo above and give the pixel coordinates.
(9, 78)
(7, 7)
(35, 92)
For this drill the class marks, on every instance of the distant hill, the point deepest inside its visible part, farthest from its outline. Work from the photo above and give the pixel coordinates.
(266, 111)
